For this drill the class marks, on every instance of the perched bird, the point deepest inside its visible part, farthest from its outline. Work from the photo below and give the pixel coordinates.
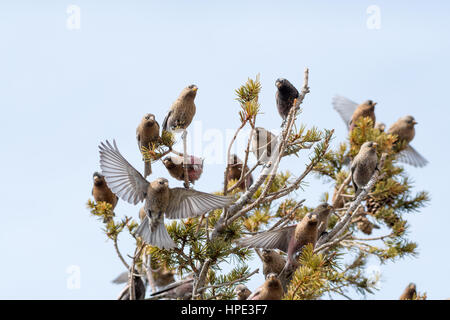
(364, 165)
(323, 213)
(101, 192)
(175, 203)
(242, 292)
(273, 262)
(178, 290)
(290, 239)
(264, 144)
(285, 96)
(162, 277)
(139, 290)
(350, 111)
(405, 131)
(182, 111)
(147, 132)
(235, 171)
(409, 293)
(174, 165)
(270, 290)
(380, 126)
(180, 116)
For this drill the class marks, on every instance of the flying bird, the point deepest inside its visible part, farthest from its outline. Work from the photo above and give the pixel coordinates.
(289, 239)
(285, 96)
(174, 165)
(175, 203)
(350, 111)
(101, 192)
(364, 165)
(146, 133)
(405, 131)
(270, 290)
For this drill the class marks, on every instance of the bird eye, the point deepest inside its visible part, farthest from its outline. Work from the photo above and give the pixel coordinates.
(161, 182)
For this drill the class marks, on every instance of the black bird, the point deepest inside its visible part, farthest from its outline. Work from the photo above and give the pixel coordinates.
(285, 96)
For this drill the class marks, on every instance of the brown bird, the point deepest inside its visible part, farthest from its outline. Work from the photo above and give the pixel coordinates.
(409, 293)
(101, 192)
(405, 131)
(350, 111)
(163, 277)
(139, 290)
(270, 290)
(364, 165)
(235, 171)
(174, 165)
(290, 239)
(273, 262)
(264, 144)
(180, 116)
(176, 203)
(182, 111)
(285, 97)
(324, 210)
(242, 292)
(178, 290)
(146, 133)
(380, 126)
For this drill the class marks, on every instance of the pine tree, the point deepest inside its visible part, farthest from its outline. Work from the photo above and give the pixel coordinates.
(336, 264)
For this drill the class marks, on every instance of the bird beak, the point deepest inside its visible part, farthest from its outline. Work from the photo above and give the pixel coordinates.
(195, 89)
(375, 103)
(374, 146)
(415, 122)
(330, 207)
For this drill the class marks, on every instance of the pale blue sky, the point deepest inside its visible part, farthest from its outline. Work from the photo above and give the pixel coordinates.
(62, 91)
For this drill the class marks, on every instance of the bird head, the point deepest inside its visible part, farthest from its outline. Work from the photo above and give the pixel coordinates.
(189, 92)
(160, 184)
(98, 178)
(380, 126)
(272, 280)
(168, 162)
(412, 286)
(266, 253)
(409, 120)
(369, 146)
(312, 218)
(149, 119)
(370, 104)
(324, 208)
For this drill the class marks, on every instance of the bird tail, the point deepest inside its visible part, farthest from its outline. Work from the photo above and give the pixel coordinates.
(147, 169)
(159, 237)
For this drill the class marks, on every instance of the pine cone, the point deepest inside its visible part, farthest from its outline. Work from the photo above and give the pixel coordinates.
(373, 205)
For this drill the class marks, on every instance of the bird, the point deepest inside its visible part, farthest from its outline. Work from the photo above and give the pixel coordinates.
(324, 210)
(364, 165)
(101, 192)
(181, 289)
(380, 126)
(139, 290)
(409, 293)
(181, 114)
(182, 110)
(146, 133)
(174, 165)
(175, 203)
(161, 277)
(273, 262)
(350, 111)
(264, 144)
(270, 290)
(285, 96)
(405, 131)
(289, 239)
(242, 292)
(235, 171)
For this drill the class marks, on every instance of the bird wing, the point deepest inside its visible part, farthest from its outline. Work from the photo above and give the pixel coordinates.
(277, 239)
(124, 180)
(164, 124)
(345, 107)
(412, 157)
(255, 294)
(185, 203)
